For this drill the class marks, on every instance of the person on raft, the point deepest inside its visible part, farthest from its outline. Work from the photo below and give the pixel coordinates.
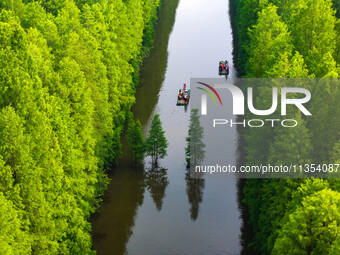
(180, 95)
(222, 66)
(186, 96)
(226, 65)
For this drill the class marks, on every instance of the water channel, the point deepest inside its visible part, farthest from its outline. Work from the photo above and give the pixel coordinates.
(163, 211)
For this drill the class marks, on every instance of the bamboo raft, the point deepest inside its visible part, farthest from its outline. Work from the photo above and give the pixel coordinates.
(224, 72)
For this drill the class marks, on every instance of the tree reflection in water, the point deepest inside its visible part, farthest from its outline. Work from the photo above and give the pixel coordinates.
(195, 188)
(194, 154)
(156, 180)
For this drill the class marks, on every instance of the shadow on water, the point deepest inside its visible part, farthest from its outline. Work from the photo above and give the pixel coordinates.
(112, 225)
(195, 187)
(157, 181)
(236, 43)
(247, 233)
(246, 229)
(154, 67)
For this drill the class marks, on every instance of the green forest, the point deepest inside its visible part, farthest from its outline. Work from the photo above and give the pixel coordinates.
(68, 74)
(293, 39)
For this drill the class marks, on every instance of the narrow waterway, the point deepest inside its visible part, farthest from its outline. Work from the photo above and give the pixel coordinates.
(163, 211)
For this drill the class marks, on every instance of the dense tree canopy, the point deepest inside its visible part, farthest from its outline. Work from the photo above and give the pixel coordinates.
(68, 72)
(292, 39)
(312, 227)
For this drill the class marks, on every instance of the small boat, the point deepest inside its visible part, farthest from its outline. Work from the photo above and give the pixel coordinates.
(223, 68)
(183, 96)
